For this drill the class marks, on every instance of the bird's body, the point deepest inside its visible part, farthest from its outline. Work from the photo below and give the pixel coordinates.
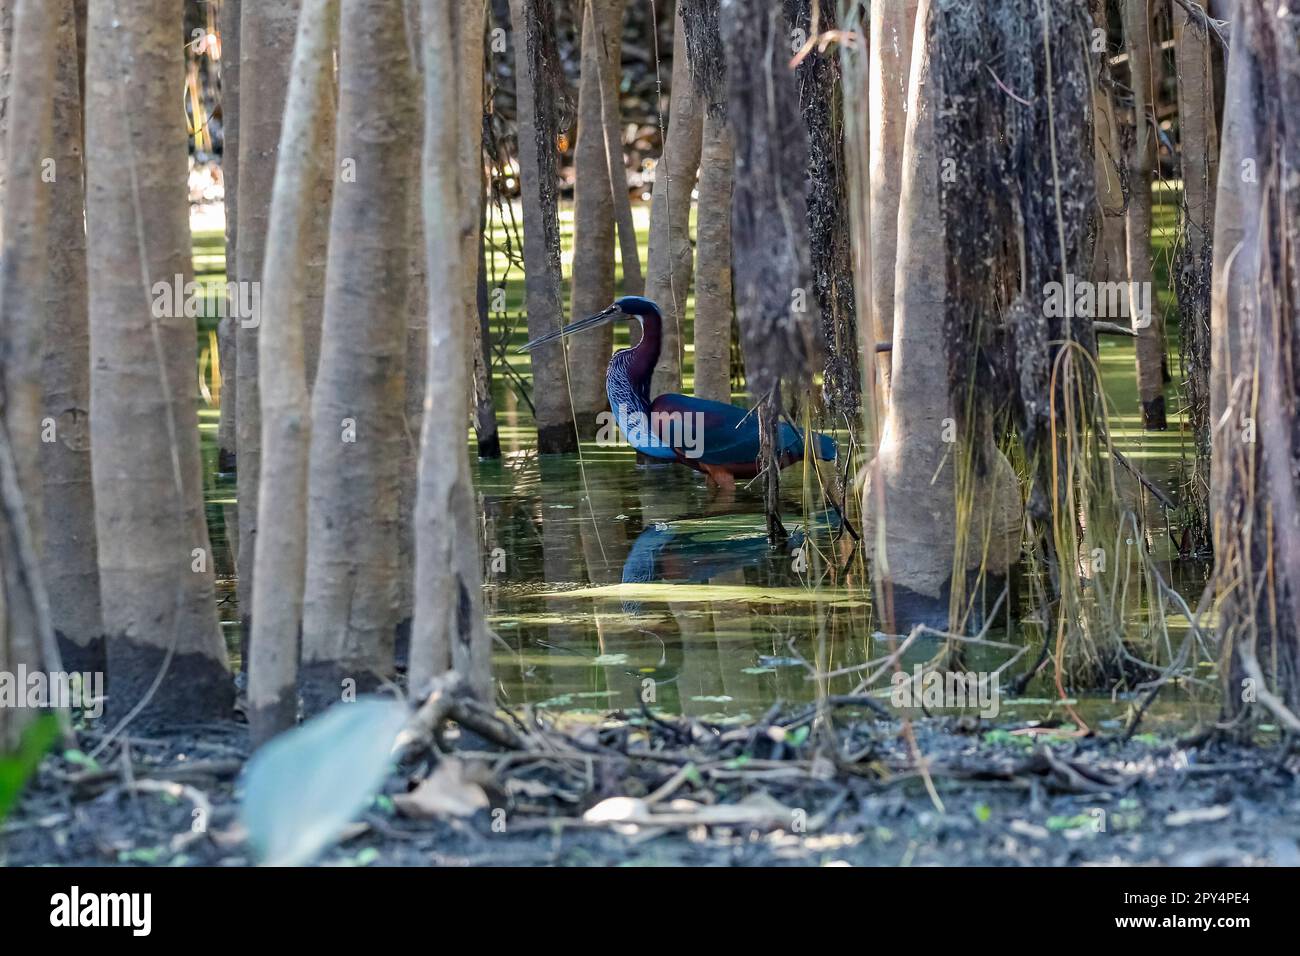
(715, 438)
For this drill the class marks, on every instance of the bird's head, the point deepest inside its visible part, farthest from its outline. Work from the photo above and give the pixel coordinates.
(637, 305)
(629, 306)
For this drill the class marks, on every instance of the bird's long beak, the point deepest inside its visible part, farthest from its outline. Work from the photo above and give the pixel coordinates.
(591, 322)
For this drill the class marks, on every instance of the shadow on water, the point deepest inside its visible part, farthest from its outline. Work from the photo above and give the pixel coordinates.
(615, 584)
(618, 582)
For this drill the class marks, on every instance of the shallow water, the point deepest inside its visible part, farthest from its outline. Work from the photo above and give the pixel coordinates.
(610, 584)
(612, 573)
(609, 573)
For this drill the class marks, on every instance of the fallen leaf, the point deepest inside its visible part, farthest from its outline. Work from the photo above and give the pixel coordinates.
(523, 787)
(1182, 818)
(1027, 829)
(444, 793)
(760, 810)
(618, 810)
(302, 789)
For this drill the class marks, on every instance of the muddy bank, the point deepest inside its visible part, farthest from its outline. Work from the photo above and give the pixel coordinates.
(638, 790)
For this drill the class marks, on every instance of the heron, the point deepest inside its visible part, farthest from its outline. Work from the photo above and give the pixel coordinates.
(714, 438)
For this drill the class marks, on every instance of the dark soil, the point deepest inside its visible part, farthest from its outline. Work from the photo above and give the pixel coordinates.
(853, 795)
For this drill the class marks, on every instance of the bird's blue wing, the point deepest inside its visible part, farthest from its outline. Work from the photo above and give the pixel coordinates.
(711, 432)
(823, 446)
(719, 433)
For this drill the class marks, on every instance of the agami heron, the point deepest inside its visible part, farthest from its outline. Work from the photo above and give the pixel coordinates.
(715, 438)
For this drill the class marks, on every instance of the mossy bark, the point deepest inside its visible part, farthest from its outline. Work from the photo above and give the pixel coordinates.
(777, 312)
(830, 252)
(943, 505)
(1193, 263)
(1109, 262)
(1141, 165)
(1255, 372)
(537, 116)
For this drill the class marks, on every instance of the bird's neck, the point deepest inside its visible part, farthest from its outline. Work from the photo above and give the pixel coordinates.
(646, 352)
(631, 371)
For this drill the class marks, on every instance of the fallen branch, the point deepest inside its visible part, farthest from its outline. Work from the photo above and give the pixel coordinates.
(189, 770)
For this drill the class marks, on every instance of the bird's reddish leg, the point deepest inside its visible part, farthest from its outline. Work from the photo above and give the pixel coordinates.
(719, 476)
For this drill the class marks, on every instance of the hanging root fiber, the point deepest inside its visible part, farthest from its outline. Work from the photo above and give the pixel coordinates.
(1017, 186)
(1256, 371)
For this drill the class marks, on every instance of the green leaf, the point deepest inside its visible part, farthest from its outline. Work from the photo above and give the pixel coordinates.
(148, 855)
(303, 788)
(997, 737)
(563, 700)
(983, 812)
(1079, 821)
(17, 768)
(80, 759)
